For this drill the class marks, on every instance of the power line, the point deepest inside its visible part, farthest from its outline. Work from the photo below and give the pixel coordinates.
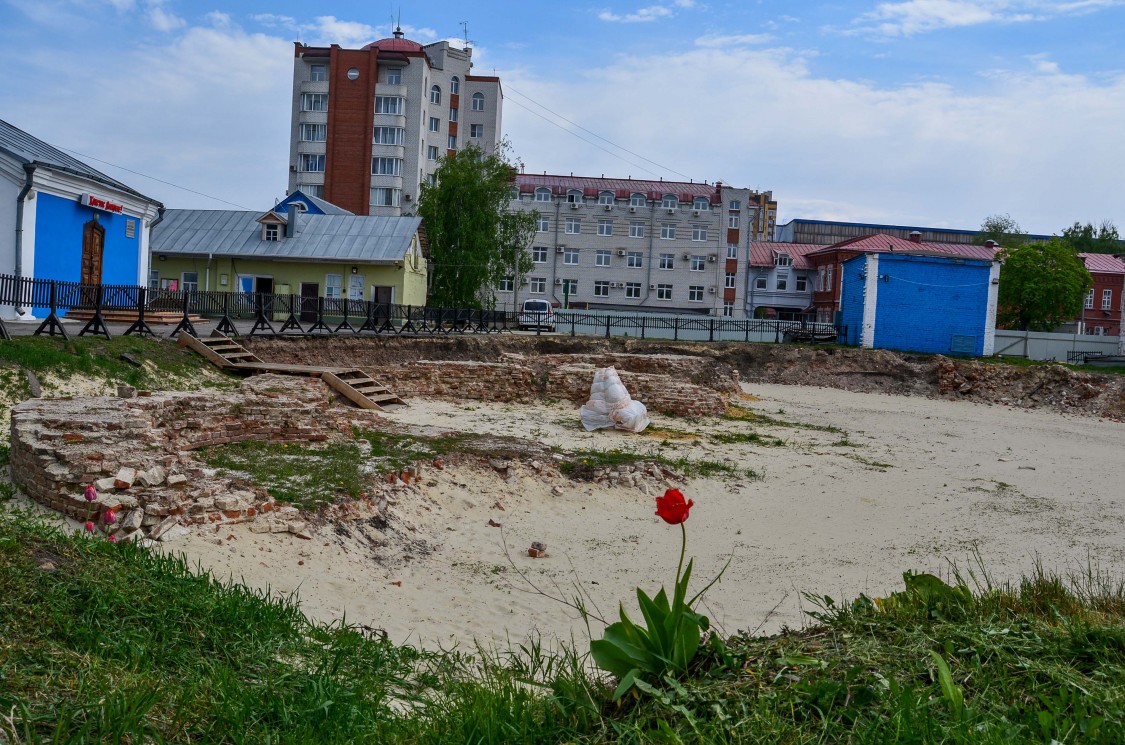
(153, 178)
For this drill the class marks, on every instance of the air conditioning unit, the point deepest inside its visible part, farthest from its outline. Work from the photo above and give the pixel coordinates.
(713, 257)
(711, 290)
(574, 205)
(652, 287)
(695, 213)
(620, 252)
(671, 210)
(559, 249)
(407, 197)
(608, 207)
(686, 257)
(558, 281)
(292, 167)
(523, 282)
(632, 208)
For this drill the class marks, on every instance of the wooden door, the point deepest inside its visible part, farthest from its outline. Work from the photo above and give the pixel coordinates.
(93, 246)
(310, 291)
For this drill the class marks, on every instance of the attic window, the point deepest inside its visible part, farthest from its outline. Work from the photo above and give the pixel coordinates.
(783, 259)
(272, 232)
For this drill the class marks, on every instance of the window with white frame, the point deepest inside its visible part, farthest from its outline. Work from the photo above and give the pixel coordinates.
(570, 256)
(604, 257)
(1107, 299)
(699, 232)
(701, 204)
(601, 288)
(667, 231)
(476, 131)
(698, 263)
(760, 282)
(454, 85)
(435, 124)
(433, 152)
(636, 229)
(389, 104)
(570, 287)
(574, 196)
(452, 113)
(384, 197)
(801, 284)
(667, 261)
(732, 220)
(695, 293)
(573, 226)
(189, 281)
(605, 197)
(543, 194)
(154, 279)
(313, 190)
(634, 260)
(605, 227)
(311, 163)
(828, 279)
(636, 199)
(333, 285)
(435, 94)
(664, 292)
(388, 136)
(452, 143)
(783, 259)
(507, 285)
(728, 280)
(381, 166)
(782, 282)
(734, 205)
(543, 224)
(728, 309)
(314, 102)
(318, 73)
(478, 102)
(732, 251)
(633, 289)
(394, 76)
(1088, 303)
(356, 284)
(313, 132)
(670, 202)
(538, 285)
(539, 254)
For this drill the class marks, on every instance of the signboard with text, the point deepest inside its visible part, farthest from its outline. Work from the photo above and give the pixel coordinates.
(100, 203)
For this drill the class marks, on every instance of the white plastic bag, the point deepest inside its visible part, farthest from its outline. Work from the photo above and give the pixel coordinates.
(611, 406)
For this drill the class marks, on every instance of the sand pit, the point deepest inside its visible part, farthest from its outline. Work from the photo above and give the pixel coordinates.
(900, 483)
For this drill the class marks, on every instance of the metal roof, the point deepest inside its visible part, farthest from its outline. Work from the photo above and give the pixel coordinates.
(1103, 263)
(28, 149)
(326, 238)
(762, 253)
(613, 184)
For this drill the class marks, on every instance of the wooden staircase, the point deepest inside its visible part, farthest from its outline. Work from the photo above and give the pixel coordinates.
(220, 349)
(359, 388)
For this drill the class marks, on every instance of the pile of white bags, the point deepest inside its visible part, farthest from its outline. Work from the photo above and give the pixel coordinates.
(611, 406)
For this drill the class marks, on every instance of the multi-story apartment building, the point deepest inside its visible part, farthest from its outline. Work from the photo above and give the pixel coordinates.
(627, 244)
(369, 124)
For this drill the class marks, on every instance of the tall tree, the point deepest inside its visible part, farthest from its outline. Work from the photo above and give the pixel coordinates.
(1042, 285)
(475, 242)
(1102, 239)
(1002, 229)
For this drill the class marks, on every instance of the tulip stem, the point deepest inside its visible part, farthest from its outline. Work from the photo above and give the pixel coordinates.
(683, 550)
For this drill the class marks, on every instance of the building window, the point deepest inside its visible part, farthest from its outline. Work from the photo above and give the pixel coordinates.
(570, 256)
(476, 131)
(570, 287)
(312, 190)
(634, 260)
(454, 85)
(667, 231)
(313, 132)
(189, 281)
(272, 232)
(478, 102)
(670, 202)
(154, 279)
(539, 254)
(318, 73)
(452, 114)
(538, 285)
(633, 289)
(605, 197)
(802, 284)
(383, 197)
(1089, 302)
(701, 204)
(828, 279)
(435, 124)
(432, 152)
(311, 163)
(507, 285)
(728, 280)
(452, 143)
(699, 232)
(732, 251)
(728, 309)
(333, 285)
(636, 230)
(314, 102)
(667, 261)
(783, 259)
(574, 196)
(604, 257)
(605, 227)
(385, 135)
(573, 225)
(601, 288)
(695, 293)
(782, 283)
(732, 220)
(760, 282)
(734, 205)
(636, 199)
(130, 228)
(394, 76)
(664, 292)
(386, 166)
(542, 194)
(698, 263)
(435, 94)
(389, 104)
(544, 224)
(1107, 299)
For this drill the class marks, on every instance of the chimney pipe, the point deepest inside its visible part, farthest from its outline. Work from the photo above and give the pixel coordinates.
(291, 226)
(915, 236)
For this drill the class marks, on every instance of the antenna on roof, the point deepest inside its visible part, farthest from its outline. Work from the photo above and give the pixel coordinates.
(465, 31)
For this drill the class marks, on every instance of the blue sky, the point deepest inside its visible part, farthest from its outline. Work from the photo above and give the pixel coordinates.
(920, 112)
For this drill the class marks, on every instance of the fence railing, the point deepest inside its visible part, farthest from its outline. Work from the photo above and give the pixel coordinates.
(288, 314)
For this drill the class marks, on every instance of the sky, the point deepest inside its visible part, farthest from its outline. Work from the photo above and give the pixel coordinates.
(928, 113)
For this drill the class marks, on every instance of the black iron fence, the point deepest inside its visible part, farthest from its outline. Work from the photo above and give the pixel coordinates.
(274, 314)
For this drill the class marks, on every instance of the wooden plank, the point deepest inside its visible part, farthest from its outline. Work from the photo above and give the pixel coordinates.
(343, 388)
(187, 340)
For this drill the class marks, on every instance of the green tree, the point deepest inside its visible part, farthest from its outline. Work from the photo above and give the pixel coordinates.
(1042, 285)
(475, 242)
(1002, 229)
(1102, 239)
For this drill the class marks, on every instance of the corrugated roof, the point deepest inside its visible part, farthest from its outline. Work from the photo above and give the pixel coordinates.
(613, 184)
(1103, 263)
(27, 148)
(325, 206)
(762, 253)
(355, 238)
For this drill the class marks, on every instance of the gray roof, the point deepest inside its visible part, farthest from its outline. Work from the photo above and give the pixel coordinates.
(326, 207)
(29, 149)
(352, 238)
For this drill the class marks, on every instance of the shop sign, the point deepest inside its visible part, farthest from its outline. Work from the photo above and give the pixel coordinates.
(98, 203)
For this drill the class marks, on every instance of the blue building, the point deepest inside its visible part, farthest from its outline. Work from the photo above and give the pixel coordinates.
(61, 219)
(920, 302)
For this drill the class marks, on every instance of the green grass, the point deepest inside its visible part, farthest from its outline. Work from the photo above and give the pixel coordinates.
(742, 414)
(109, 643)
(583, 464)
(752, 438)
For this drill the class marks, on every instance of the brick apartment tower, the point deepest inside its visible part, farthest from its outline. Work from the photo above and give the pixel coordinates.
(369, 124)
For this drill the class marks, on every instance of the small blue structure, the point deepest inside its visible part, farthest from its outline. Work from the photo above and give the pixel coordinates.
(920, 302)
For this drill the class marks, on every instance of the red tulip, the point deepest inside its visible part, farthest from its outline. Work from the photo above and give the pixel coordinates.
(109, 517)
(111, 538)
(89, 526)
(91, 493)
(671, 508)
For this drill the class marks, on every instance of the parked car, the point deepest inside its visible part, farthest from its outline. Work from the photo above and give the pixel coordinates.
(536, 314)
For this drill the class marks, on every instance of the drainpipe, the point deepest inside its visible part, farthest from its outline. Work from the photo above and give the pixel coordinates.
(648, 258)
(555, 249)
(29, 170)
(207, 276)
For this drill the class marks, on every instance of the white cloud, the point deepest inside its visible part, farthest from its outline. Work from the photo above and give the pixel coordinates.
(647, 14)
(218, 19)
(161, 18)
(920, 16)
(720, 40)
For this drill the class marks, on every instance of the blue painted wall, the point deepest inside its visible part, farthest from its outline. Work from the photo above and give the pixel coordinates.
(852, 298)
(298, 196)
(58, 242)
(924, 301)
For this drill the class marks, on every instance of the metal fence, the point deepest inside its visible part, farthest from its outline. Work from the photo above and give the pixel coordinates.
(274, 314)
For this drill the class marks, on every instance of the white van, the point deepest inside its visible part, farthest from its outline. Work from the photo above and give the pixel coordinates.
(536, 314)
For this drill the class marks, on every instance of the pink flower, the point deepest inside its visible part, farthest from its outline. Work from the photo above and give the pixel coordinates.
(89, 526)
(109, 517)
(91, 493)
(111, 538)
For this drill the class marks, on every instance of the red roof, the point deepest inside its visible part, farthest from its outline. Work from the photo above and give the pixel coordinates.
(678, 188)
(1103, 263)
(762, 253)
(881, 243)
(393, 44)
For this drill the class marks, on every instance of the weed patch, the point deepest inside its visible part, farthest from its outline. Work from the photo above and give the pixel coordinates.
(302, 475)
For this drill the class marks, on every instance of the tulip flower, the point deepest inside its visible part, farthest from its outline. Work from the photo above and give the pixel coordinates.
(91, 493)
(89, 526)
(111, 538)
(109, 517)
(671, 508)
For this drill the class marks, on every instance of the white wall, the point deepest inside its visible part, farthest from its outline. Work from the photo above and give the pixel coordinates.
(1044, 346)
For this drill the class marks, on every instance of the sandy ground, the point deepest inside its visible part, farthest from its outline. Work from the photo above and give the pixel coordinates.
(915, 483)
